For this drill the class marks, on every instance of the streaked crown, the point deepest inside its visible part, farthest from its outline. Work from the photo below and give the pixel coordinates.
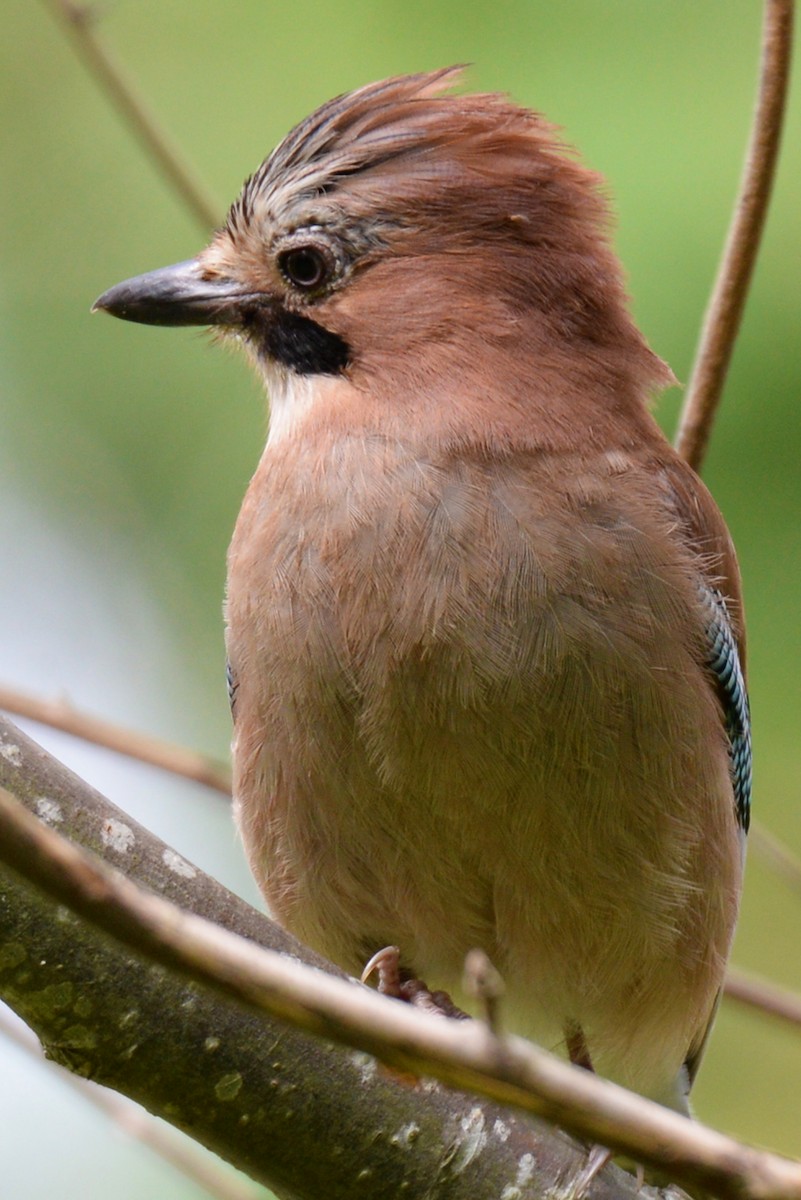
(404, 153)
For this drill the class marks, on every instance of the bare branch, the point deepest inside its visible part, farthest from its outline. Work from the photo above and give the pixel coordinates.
(305, 1117)
(778, 857)
(60, 714)
(725, 308)
(79, 20)
(464, 1054)
(753, 992)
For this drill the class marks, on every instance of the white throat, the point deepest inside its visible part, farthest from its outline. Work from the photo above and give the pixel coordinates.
(292, 397)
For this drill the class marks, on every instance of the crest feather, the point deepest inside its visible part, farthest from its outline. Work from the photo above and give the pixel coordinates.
(419, 135)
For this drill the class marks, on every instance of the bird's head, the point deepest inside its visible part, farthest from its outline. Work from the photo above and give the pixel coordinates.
(402, 236)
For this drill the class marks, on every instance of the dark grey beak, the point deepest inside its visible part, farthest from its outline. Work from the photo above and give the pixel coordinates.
(177, 295)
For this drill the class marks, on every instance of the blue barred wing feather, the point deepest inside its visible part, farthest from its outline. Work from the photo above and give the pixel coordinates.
(723, 662)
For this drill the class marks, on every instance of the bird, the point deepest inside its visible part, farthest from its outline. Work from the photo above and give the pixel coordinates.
(485, 628)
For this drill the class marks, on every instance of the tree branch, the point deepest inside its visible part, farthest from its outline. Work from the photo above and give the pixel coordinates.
(465, 1055)
(726, 304)
(302, 1116)
(755, 993)
(776, 856)
(60, 714)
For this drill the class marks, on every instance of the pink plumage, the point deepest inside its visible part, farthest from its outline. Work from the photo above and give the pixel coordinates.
(482, 620)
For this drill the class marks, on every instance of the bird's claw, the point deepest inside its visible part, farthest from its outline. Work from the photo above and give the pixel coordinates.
(392, 982)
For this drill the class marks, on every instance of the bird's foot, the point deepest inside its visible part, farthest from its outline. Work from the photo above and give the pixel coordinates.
(386, 963)
(395, 982)
(598, 1156)
(416, 992)
(597, 1159)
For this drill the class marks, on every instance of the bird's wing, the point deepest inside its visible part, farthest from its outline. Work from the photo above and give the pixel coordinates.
(725, 668)
(724, 635)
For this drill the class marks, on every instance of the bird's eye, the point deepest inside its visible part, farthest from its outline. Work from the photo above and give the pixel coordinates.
(306, 267)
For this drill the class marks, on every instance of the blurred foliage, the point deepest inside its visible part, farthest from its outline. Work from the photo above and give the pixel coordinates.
(135, 445)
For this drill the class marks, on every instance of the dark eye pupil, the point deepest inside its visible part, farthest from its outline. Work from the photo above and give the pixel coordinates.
(305, 267)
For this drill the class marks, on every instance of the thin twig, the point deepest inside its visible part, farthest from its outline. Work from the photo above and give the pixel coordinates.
(776, 855)
(757, 993)
(464, 1054)
(725, 308)
(137, 1124)
(59, 714)
(80, 20)
(484, 983)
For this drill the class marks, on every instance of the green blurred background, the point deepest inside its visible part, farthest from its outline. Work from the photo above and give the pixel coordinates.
(125, 451)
